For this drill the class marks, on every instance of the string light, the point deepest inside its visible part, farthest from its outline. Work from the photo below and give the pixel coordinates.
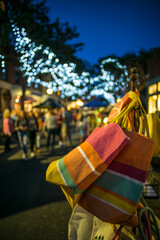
(37, 60)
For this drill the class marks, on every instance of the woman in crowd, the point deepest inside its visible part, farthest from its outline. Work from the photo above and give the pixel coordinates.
(22, 129)
(32, 130)
(8, 129)
(14, 117)
(51, 124)
(63, 127)
(59, 123)
(39, 120)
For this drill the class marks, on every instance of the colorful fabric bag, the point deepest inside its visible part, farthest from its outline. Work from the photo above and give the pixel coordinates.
(115, 195)
(76, 171)
(121, 105)
(124, 113)
(150, 126)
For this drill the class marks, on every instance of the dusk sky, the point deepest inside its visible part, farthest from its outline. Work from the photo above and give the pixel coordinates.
(110, 27)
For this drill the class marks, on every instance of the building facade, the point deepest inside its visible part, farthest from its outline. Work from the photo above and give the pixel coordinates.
(153, 95)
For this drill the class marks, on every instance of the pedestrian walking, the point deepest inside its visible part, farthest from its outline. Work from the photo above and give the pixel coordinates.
(86, 127)
(22, 130)
(75, 117)
(14, 117)
(59, 123)
(50, 124)
(39, 120)
(63, 127)
(67, 117)
(8, 129)
(32, 130)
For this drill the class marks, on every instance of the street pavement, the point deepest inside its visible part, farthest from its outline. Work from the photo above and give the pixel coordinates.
(30, 207)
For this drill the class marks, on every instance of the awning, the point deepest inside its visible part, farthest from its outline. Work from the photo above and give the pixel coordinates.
(49, 103)
(28, 99)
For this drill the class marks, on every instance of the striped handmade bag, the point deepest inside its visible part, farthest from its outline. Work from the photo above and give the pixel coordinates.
(115, 195)
(77, 170)
(122, 104)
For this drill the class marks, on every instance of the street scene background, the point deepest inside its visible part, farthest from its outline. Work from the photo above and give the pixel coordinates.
(84, 57)
(30, 207)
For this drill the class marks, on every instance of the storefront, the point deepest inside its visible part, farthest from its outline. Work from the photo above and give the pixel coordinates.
(31, 98)
(153, 90)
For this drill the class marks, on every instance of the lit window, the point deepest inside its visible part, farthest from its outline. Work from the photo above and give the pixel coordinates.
(159, 86)
(152, 89)
(152, 104)
(158, 107)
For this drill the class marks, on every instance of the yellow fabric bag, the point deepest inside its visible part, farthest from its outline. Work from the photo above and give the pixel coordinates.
(150, 126)
(125, 118)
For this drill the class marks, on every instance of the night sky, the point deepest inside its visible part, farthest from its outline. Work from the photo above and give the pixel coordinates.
(110, 27)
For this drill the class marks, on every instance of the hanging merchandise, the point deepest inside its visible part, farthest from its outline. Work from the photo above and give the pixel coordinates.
(76, 171)
(124, 111)
(105, 175)
(121, 105)
(115, 195)
(150, 126)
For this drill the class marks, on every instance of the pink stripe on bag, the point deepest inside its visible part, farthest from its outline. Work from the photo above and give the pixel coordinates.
(127, 170)
(112, 139)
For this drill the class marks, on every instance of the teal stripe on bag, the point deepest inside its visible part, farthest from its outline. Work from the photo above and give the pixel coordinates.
(67, 177)
(65, 174)
(120, 185)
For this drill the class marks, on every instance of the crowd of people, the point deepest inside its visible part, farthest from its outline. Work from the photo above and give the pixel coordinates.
(87, 122)
(28, 128)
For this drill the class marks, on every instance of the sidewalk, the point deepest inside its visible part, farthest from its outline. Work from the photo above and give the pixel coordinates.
(30, 207)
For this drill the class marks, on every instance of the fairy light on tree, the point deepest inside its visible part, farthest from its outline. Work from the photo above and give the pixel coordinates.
(115, 76)
(2, 67)
(37, 61)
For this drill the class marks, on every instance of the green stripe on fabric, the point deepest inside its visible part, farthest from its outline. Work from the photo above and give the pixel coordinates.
(120, 185)
(67, 177)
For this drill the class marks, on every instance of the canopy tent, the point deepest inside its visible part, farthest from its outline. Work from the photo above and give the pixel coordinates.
(96, 104)
(49, 103)
(29, 99)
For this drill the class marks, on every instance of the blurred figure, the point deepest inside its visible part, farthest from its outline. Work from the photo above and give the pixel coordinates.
(65, 127)
(43, 124)
(93, 122)
(22, 130)
(81, 128)
(59, 123)
(85, 127)
(39, 120)
(14, 117)
(8, 129)
(51, 124)
(89, 127)
(79, 119)
(68, 118)
(100, 116)
(75, 118)
(32, 130)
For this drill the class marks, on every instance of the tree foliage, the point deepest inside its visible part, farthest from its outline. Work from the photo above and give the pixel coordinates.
(33, 16)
